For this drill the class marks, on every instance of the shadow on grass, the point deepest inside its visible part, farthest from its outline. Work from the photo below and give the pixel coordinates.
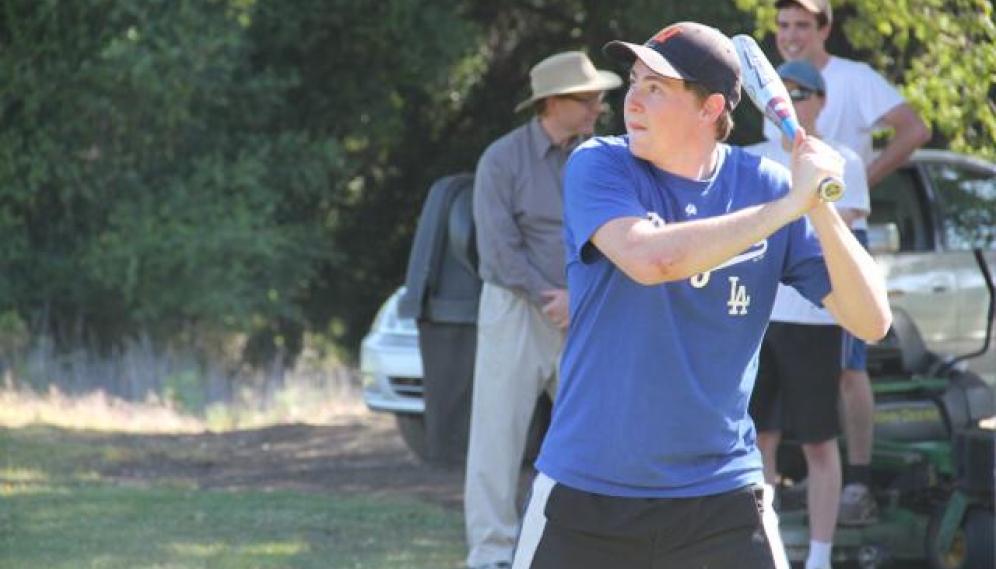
(118, 527)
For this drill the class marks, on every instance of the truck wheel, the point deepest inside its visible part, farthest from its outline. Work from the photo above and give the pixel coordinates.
(972, 545)
(412, 429)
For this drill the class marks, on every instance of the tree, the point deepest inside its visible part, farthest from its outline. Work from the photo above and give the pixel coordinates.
(142, 182)
(200, 168)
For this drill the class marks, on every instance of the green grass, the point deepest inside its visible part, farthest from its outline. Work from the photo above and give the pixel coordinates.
(57, 512)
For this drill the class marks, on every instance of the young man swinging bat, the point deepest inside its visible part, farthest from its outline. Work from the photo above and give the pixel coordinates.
(676, 243)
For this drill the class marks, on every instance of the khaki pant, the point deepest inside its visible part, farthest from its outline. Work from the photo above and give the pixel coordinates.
(518, 350)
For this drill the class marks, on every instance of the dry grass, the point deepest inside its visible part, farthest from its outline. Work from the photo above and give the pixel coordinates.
(298, 400)
(96, 411)
(141, 389)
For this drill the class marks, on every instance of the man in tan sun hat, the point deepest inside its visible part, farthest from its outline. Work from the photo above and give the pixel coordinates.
(523, 307)
(566, 73)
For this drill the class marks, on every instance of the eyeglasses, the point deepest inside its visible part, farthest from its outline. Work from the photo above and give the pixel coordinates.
(587, 100)
(799, 94)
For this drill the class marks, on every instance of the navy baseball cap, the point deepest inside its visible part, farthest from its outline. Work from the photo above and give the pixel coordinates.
(804, 74)
(688, 51)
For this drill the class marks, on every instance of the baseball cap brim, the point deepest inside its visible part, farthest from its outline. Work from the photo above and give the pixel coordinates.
(630, 52)
(803, 75)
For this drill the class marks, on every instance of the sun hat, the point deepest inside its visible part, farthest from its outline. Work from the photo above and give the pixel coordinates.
(804, 74)
(564, 73)
(688, 51)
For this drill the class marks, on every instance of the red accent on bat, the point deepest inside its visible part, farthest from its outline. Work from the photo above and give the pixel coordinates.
(779, 109)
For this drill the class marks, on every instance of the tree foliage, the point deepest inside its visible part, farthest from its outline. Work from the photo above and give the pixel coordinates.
(185, 168)
(448, 127)
(142, 187)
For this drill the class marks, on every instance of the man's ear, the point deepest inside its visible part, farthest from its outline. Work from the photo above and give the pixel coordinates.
(712, 107)
(824, 32)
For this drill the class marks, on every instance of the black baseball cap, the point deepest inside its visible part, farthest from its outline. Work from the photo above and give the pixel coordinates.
(688, 51)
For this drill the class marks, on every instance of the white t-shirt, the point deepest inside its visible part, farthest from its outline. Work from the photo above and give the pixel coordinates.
(857, 98)
(790, 306)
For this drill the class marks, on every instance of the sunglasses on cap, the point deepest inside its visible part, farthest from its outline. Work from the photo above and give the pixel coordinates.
(800, 94)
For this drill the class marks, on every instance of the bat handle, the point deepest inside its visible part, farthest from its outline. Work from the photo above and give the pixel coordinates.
(830, 189)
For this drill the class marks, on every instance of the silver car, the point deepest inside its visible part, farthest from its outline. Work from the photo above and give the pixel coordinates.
(926, 218)
(391, 366)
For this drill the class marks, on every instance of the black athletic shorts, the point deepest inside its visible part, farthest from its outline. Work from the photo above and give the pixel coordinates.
(565, 528)
(798, 381)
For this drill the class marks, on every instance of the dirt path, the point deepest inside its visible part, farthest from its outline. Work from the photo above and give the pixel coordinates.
(361, 454)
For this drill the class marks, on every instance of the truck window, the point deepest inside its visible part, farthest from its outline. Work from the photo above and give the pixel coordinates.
(901, 199)
(967, 197)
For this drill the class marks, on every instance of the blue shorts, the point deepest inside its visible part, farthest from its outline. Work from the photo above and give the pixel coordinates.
(857, 352)
(854, 348)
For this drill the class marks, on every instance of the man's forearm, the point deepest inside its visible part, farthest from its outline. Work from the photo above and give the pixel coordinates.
(509, 267)
(892, 157)
(652, 254)
(858, 299)
(910, 133)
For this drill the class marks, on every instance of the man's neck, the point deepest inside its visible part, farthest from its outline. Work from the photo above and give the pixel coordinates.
(696, 163)
(820, 60)
(559, 136)
(695, 158)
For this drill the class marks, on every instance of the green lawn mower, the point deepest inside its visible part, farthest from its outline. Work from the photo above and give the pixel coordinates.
(932, 462)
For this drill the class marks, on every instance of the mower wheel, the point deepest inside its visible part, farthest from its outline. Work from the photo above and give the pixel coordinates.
(972, 545)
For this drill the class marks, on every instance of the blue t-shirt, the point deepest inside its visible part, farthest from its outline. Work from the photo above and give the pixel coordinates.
(655, 380)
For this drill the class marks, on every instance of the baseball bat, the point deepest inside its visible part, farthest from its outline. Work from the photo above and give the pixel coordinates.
(769, 95)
